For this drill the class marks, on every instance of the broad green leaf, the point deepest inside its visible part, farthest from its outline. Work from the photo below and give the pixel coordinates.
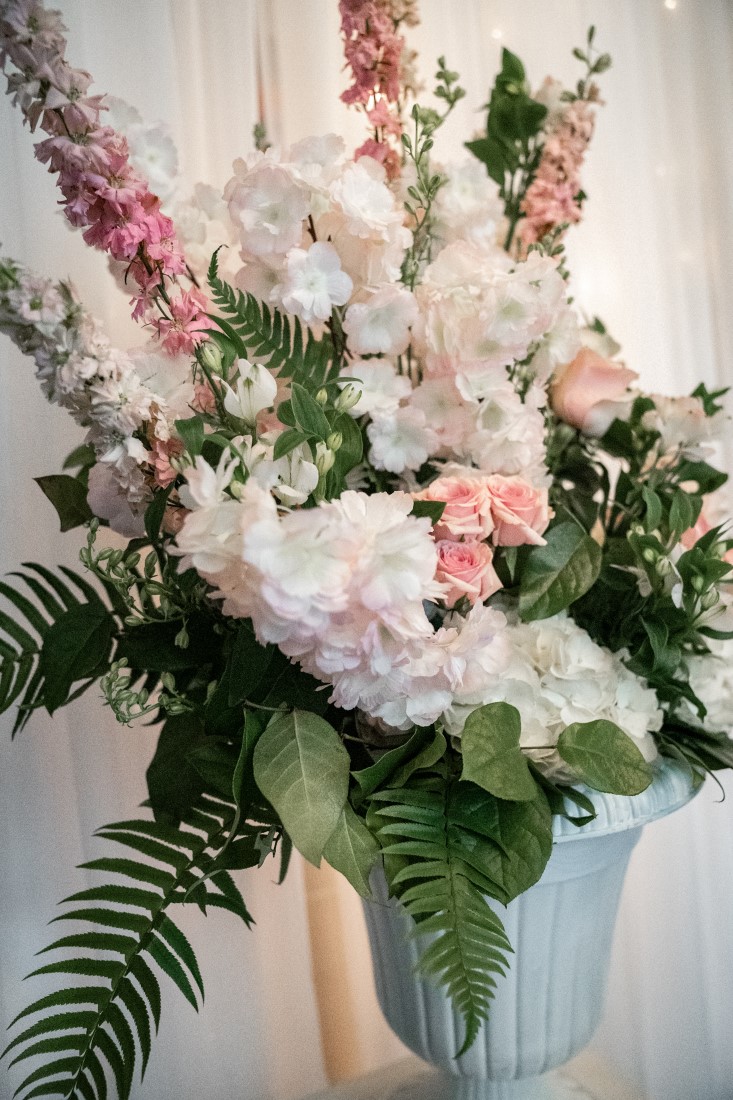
(604, 757)
(154, 513)
(69, 498)
(288, 441)
(433, 509)
(301, 766)
(380, 773)
(248, 663)
(75, 646)
(492, 757)
(192, 433)
(215, 760)
(352, 850)
(525, 829)
(309, 415)
(558, 574)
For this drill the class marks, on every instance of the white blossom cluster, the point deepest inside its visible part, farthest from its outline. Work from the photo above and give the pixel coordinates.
(116, 395)
(340, 589)
(557, 675)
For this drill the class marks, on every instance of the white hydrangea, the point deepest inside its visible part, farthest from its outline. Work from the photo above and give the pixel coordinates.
(558, 675)
(480, 306)
(382, 389)
(400, 440)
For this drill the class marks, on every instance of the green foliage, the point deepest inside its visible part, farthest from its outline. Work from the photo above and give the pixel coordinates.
(255, 329)
(448, 845)
(604, 757)
(50, 642)
(69, 497)
(512, 147)
(352, 850)
(301, 766)
(491, 754)
(558, 574)
(99, 1031)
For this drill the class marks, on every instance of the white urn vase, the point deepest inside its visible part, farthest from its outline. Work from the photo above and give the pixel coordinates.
(549, 1004)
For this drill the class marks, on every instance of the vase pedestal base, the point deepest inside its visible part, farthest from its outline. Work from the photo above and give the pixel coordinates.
(435, 1085)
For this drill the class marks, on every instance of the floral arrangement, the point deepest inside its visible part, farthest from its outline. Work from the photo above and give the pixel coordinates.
(408, 563)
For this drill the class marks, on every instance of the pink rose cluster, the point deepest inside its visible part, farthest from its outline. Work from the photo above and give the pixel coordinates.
(101, 189)
(552, 197)
(374, 50)
(503, 511)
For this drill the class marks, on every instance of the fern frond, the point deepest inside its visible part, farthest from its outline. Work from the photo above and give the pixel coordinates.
(256, 329)
(24, 626)
(443, 886)
(91, 1038)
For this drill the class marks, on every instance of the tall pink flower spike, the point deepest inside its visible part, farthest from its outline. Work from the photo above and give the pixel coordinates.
(101, 190)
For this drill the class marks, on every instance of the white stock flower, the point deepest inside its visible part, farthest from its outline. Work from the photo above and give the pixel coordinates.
(255, 390)
(381, 324)
(109, 500)
(684, 425)
(468, 205)
(267, 204)
(400, 440)
(314, 283)
(381, 387)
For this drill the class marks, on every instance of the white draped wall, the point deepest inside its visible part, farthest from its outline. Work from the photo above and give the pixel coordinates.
(654, 258)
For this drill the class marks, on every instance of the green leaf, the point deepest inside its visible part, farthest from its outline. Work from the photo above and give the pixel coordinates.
(604, 757)
(76, 645)
(653, 508)
(352, 850)
(309, 415)
(492, 757)
(288, 441)
(69, 498)
(248, 663)
(301, 766)
(525, 829)
(433, 509)
(215, 760)
(173, 783)
(168, 962)
(192, 434)
(559, 573)
(154, 513)
(380, 773)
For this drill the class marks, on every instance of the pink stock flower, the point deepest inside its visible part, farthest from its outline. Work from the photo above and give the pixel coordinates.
(552, 199)
(187, 325)
(520, 512)
(102, 192)
(162, 452)
(467, 568)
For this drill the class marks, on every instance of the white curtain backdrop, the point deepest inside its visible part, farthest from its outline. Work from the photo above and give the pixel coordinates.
(654, 258)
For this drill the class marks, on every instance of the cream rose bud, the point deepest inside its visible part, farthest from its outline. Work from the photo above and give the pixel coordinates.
(520, 511)
(467, 512)
(591, 392)
(255, 390)
(467, 569)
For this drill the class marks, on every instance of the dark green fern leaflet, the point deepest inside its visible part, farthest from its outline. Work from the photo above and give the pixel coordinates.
(443, 856)
(256, 330)
(91, 1035)
(72, 626)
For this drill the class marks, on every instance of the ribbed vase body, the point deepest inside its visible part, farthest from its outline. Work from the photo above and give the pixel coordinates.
(549, 1004)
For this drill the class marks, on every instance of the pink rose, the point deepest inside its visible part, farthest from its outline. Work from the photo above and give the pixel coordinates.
(467, 567)
(520, 512)
(591, 392)
(467, 512)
